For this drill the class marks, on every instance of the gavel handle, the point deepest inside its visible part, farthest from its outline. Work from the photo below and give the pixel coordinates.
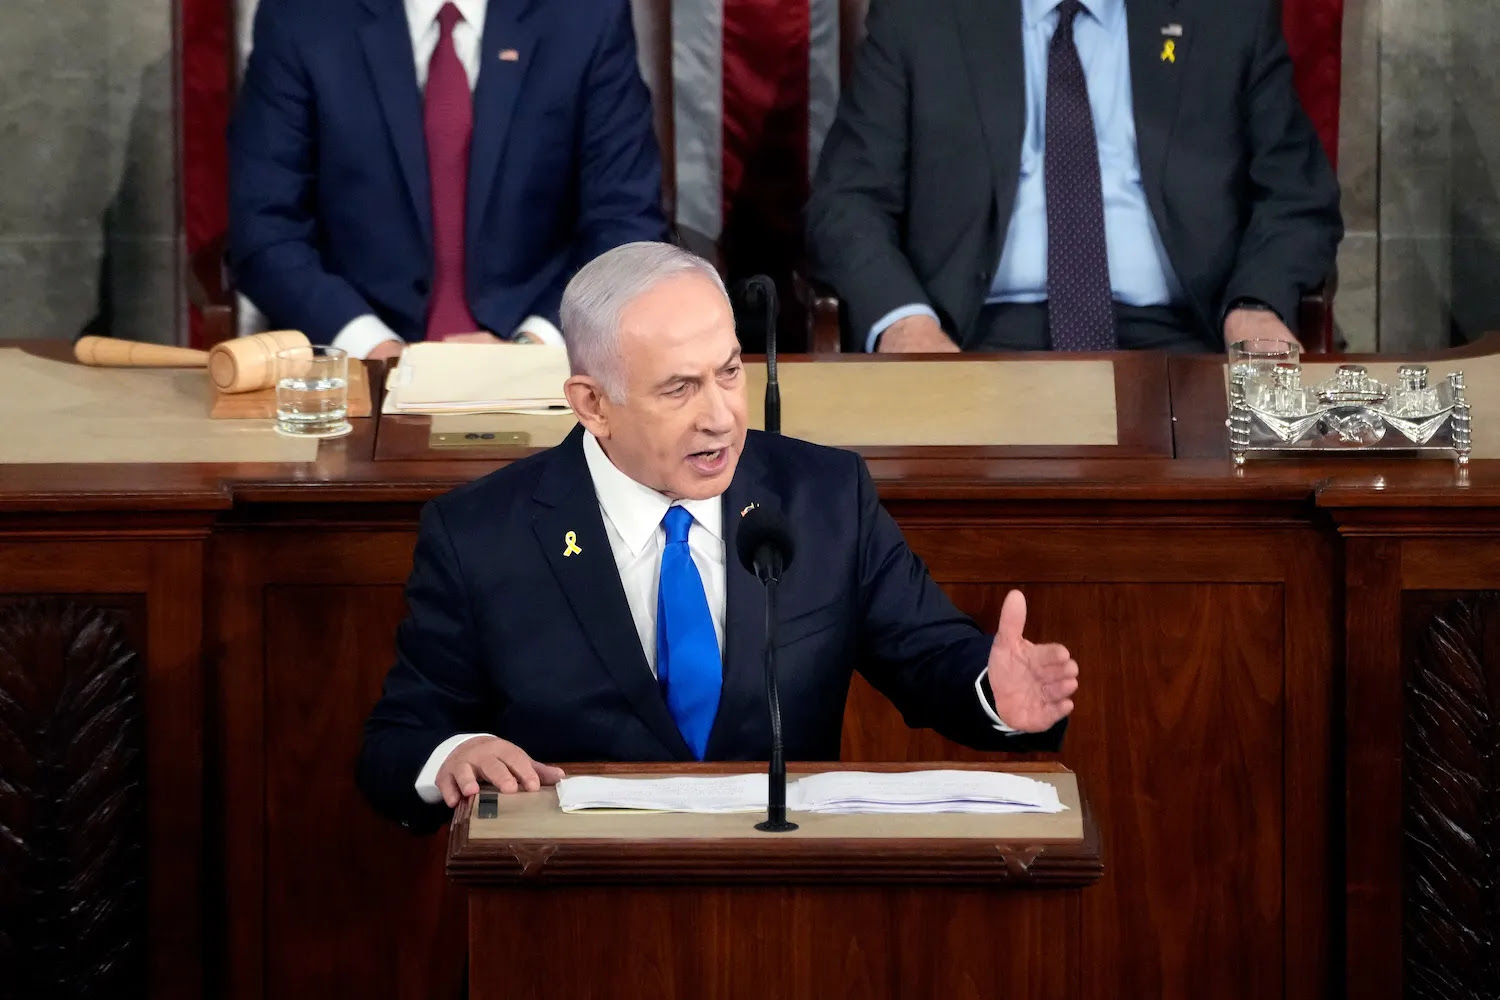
(108, 352)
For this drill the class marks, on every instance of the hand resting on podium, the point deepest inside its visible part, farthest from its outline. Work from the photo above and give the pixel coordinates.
(500, 762)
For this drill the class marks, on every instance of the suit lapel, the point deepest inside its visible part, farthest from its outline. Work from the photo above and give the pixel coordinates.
(503, 57)
(585, 569)
(386, 38)
(991, 44)
(743, 697)
(1156, 77)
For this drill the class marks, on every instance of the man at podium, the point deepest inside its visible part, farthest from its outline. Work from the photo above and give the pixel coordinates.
(580, 605)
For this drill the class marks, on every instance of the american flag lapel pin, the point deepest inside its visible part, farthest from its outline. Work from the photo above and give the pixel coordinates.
(1172, 30)
(509, 55)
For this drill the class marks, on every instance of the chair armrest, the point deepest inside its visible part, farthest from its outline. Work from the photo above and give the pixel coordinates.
(822, 309)
(1315, 317)
(211, 291)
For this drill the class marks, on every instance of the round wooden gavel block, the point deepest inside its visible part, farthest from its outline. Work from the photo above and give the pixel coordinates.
(249, 363)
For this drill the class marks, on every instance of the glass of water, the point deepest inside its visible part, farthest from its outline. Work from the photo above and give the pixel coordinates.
(1259, 358)
(312, 392)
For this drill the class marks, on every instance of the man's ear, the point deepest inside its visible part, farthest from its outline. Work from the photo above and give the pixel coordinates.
(587, 399)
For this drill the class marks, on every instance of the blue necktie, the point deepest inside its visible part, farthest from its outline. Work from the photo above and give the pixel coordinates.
(687, 651)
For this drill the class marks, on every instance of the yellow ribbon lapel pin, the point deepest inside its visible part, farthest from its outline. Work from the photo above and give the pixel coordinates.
(571, 549)
(1169, 47)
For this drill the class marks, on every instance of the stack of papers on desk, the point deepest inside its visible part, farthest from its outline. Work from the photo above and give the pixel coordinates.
(830, 792)
(478, 378)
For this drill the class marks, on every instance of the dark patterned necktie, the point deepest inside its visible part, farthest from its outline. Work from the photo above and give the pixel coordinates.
(448, 114)
(1080, 307)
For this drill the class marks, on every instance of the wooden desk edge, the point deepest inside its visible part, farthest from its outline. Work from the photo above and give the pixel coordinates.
(1042, 864)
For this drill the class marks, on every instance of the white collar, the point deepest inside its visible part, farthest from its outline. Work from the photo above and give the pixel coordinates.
(421, 13)
(635, 510)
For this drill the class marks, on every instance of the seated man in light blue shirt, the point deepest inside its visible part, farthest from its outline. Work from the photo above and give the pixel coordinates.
(1082, 176)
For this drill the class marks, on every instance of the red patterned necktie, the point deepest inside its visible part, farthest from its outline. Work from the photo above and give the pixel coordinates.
(448, 120)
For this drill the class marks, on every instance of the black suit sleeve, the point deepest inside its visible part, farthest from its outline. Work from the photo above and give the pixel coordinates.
(437, 687)
(856, 212)
(917, 649)
(1294, 223)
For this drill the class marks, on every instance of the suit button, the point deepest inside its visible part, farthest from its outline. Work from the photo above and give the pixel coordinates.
(420, 286)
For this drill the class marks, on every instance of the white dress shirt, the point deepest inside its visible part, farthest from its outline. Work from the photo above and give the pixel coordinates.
(632, 521)
(364, 333)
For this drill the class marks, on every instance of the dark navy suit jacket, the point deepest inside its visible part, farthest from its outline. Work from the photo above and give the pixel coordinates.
(330, 210)
(507, 635)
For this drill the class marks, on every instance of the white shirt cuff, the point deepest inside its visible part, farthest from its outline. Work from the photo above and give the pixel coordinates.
(541, 330)
(362, 335)
(427, 787)
(984, 703)
(893, 317)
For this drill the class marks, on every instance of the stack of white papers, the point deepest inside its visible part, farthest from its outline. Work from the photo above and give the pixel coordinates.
(829, 792)
(478, 378)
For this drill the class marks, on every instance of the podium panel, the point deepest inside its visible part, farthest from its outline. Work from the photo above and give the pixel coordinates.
(624, 905)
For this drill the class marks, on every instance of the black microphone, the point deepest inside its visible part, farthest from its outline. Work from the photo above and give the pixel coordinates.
(764, 543)
(764, 289)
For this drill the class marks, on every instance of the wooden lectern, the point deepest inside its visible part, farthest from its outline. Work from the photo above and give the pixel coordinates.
(617, 906)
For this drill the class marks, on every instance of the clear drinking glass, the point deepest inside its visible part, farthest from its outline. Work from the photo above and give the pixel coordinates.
(1259, 358)
(312, 392)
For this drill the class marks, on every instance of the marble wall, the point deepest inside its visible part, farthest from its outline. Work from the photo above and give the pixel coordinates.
(1419, 159)
(88, 179)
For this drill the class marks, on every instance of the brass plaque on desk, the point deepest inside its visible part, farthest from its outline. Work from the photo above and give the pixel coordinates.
(480, 431)
(479, 439)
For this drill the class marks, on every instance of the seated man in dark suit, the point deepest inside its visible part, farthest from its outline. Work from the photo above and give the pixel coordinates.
(401, 171)
(579, 605)
(1072, 175)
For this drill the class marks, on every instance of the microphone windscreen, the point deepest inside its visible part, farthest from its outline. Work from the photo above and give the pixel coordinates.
(764, 530)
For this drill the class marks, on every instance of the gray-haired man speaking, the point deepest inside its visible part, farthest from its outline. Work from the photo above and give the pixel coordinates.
(579, 605)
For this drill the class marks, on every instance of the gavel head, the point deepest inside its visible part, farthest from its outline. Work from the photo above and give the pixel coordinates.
(249, 363)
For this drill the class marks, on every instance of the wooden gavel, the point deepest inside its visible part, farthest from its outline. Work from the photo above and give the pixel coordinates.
(240, 365)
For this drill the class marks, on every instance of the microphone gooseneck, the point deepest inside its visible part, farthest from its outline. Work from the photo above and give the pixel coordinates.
(764, 289)
(765, 547)
(775, 821)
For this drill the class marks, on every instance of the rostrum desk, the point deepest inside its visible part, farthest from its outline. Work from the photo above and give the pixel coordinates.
(1289, 794)
(866, 907)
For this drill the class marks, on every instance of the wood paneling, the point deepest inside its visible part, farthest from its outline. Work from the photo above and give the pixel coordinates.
(1185, 718)
(72, 800)
(1373, 717)
(803, 942)
(322, 892)
(1451, 825)
(102, 737)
